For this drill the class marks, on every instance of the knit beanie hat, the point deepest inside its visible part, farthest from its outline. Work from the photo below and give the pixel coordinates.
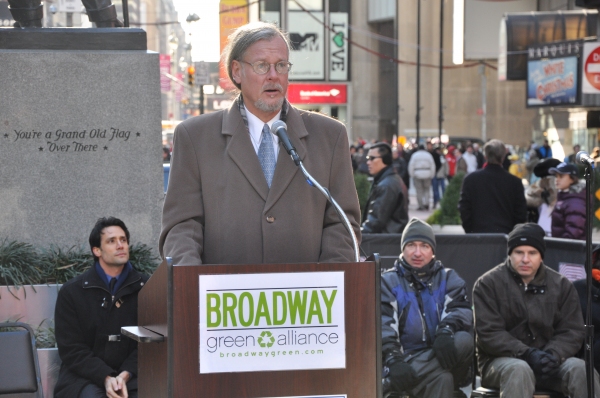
(417, 230)
(528, 234)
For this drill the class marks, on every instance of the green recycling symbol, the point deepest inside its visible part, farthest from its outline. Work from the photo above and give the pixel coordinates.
(266, 339)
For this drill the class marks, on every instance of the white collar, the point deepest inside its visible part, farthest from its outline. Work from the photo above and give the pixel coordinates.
(255, 126)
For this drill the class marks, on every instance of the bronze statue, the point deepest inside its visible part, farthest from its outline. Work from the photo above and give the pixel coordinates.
(29, 13)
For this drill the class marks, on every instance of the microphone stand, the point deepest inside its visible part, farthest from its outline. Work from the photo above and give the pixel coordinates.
(589, 327)
(312, 182)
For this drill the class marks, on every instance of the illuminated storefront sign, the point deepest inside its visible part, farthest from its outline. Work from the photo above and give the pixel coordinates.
(317, 93)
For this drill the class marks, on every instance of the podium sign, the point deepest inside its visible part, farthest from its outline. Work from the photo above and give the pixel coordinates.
(275, 321)
(317, 326)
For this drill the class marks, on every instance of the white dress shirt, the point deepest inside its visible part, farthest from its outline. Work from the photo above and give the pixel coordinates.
(255, 126)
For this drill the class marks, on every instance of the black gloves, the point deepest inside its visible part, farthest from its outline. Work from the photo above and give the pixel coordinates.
(445, 350)
(402, 376)
(543, 363)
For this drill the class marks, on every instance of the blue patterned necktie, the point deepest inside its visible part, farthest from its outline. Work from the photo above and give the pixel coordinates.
(266, 154)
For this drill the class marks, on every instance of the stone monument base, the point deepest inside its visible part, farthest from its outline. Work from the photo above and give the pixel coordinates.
(80, 134)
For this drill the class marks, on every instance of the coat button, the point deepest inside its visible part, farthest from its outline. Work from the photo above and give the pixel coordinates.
(270, 219)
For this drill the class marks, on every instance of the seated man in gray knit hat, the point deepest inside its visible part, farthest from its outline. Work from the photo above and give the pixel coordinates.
(528, 323)
(427, 321)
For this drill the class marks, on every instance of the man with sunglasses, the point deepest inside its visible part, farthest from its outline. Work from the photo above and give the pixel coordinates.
(387, 206)
(234, 196)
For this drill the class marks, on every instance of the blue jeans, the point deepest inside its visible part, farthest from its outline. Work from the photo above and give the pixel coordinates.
(438, 184)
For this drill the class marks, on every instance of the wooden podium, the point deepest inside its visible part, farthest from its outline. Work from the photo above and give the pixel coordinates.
(169, 348)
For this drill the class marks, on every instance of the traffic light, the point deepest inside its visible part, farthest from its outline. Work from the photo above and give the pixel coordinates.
(191, 71)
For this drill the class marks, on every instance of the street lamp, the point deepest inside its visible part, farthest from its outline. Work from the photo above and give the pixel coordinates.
(192, 18)
(173, 45)
(173, 42)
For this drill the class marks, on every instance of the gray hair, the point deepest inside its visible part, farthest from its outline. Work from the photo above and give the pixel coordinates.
(245, 36)
(494, 151)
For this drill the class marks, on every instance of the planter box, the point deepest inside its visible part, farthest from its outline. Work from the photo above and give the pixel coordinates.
(32, 304)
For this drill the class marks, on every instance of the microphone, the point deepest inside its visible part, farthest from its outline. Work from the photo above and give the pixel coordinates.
(584, 158)
(279, 128)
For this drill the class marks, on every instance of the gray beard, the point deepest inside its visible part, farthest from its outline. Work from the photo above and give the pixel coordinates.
(263, 106)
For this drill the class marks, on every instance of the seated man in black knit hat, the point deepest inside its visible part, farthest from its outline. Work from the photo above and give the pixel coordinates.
(427, 321)
(528, 323)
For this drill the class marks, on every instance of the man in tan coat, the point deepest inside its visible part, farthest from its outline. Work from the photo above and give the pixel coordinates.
(225, 204)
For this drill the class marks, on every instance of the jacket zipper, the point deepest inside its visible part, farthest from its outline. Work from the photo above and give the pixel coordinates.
(422, 315)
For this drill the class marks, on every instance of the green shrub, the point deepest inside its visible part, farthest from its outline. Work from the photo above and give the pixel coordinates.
(61, 265)
(19, 264)
(143, 259)
(363, 186)
(23, 264)
(448, 213)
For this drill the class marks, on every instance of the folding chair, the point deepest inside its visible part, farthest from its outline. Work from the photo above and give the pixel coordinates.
(19, 367)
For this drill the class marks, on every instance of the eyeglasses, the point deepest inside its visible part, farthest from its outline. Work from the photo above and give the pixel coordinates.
(263, 67)
(373, 157)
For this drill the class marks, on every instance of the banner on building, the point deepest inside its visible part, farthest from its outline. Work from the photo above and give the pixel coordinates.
(309, 93)
(232, 15)
(269, 322)
(338, 46)
(165, 69)
(307, 35)
(553, 74)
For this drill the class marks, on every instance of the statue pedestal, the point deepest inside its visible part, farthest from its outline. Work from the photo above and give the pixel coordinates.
(80, 134)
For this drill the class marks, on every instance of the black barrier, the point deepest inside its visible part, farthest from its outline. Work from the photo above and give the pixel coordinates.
(471, 255)
(564, 251)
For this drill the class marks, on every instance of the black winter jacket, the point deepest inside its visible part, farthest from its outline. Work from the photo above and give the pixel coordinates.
(85, 316)
(492, 201)
(511, 318)
(387, 207)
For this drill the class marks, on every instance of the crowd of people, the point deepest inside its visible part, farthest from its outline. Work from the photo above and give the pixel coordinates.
(493, 197)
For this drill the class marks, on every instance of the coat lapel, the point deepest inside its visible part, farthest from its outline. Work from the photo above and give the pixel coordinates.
(241, 151)
(286, 168)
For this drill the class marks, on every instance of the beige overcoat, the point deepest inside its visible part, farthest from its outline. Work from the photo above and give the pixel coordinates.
(219, 209)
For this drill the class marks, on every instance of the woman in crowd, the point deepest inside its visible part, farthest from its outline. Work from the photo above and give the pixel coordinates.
(568, 216)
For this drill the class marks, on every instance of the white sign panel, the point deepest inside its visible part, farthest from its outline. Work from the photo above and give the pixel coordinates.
(308, 53)
(202, 75)
(590, 78)
(69, 5)
(338, 46)
(266, 322)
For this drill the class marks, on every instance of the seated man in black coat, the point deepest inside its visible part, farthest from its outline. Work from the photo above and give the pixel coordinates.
(90, 311)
